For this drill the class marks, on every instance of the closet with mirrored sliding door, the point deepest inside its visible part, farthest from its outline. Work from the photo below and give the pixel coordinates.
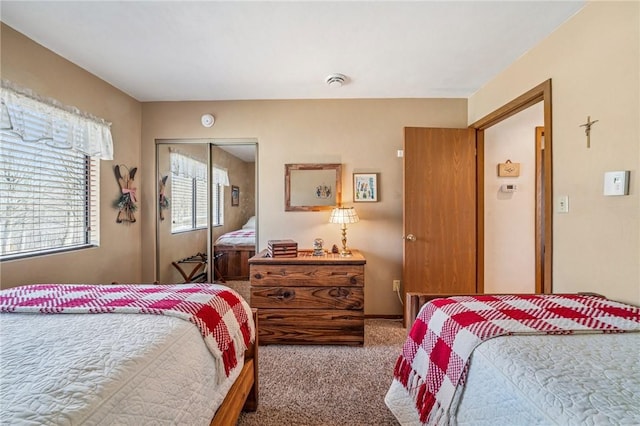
(205, 190)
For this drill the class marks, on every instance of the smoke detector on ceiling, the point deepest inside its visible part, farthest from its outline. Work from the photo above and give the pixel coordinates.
(207, 120)
(336, 80)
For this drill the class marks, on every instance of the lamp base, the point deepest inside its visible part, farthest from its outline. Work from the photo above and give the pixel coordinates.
(345, 253)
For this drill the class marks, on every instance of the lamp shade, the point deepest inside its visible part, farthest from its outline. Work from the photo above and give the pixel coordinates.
(344, 215)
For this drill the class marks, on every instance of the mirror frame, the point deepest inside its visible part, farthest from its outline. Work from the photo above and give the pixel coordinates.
(288, 184)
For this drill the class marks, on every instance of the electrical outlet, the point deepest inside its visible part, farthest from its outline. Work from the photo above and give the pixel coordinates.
(396, 285)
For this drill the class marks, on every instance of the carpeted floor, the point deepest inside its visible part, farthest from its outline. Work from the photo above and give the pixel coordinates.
(327, 385)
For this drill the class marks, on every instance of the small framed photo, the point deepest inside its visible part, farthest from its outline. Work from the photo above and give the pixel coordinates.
(235, 195)
(365, 187)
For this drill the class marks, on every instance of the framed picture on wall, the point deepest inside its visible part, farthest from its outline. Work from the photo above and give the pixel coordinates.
(312, 187)
(365, 187)
(235, 195)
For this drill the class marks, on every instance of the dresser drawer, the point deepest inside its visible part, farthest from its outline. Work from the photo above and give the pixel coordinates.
(308, 297)
(307, 275)
(293, 326)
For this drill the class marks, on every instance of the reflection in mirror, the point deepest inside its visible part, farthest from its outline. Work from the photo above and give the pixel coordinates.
(182, 223)
(234, 236)
(190, 247)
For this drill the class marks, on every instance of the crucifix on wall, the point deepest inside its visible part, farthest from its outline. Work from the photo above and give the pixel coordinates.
(587, 129)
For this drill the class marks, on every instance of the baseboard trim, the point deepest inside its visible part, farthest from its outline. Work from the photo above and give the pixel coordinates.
(377, 316)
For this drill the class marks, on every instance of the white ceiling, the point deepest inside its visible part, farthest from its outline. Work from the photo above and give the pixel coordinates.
(223, 50)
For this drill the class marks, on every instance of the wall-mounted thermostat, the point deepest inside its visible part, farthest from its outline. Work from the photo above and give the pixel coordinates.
(509, 187)
(616, 183)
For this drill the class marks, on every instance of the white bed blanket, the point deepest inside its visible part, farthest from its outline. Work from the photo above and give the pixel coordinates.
(591, 379)
(106, 369)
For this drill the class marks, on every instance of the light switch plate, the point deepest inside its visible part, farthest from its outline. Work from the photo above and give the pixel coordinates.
(563, 204)
(616, 183)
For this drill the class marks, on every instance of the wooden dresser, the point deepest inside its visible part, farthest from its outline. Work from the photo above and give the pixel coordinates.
(309, 299)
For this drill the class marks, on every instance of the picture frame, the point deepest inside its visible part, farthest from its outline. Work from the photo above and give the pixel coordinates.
(235, 196)
(365, 187)
(312, 187)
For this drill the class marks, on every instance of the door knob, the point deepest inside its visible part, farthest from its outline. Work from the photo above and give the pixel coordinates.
(410, 237)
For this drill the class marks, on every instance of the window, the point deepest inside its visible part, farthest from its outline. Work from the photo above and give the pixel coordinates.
(49, 188)
(220, 180)
(188, 193)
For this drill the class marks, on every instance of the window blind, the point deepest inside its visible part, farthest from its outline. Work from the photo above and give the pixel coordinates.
(181, 203)
(200, 203)
(220, 178)
(188, 193)
(49, 196)
(217, 204)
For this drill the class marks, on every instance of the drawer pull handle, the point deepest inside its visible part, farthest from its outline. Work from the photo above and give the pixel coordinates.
(283, 295)
(257, 276)
(339, 292)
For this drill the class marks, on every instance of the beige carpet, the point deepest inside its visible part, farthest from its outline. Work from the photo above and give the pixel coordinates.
(327, 385)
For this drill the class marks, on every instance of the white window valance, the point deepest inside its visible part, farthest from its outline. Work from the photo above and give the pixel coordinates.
(38, 120)
(220, 176)
(186, 166)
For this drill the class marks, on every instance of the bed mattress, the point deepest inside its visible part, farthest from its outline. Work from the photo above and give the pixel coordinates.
(542, 380)
(106, 369)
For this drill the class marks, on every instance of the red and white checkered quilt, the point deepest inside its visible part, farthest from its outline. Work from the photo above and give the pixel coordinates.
(240, 236)
(435, 356)
(222, 316)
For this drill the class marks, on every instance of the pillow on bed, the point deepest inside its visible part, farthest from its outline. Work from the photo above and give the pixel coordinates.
(251, 223)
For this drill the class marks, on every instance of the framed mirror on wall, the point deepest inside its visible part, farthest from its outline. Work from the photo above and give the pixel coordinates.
(312, 187)
(194, 208)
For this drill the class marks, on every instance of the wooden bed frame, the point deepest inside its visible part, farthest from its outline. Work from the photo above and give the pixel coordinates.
(243, 395)
(233, 264)
(415, 301)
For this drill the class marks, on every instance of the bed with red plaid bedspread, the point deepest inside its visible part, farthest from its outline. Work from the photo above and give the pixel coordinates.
(238, 237)
(222, 316)
(435, 356)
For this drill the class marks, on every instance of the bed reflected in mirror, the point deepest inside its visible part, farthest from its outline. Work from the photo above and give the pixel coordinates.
(234, 225)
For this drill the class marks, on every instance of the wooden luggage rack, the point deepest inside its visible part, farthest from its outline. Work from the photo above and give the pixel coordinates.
(198, 272)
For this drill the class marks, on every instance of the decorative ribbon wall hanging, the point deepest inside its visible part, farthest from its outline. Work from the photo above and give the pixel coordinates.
(163, 201)
(126, 202)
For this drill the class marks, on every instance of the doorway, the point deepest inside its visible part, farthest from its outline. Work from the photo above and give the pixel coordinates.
(544, 204)
(415, 276)
(510, 203)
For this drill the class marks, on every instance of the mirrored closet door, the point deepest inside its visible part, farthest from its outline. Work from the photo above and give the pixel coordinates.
(206, 211)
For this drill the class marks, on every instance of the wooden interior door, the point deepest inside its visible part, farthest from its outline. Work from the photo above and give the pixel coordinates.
(439, 211)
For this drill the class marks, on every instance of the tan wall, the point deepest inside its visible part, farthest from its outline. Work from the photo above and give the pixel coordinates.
(362, 135)
(594, 63)
(118, 258)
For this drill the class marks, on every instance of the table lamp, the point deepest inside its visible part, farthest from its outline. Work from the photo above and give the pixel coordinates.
(344, 215)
